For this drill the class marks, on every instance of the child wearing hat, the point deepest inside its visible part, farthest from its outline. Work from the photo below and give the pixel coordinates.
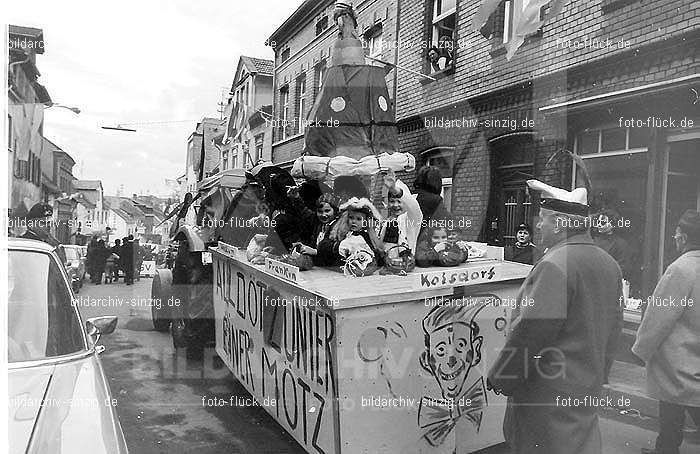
(360, 248)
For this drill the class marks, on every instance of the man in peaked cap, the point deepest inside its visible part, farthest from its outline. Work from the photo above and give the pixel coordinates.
(561, 342)
(39, 222)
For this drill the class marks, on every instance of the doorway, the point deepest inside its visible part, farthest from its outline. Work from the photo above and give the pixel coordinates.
(681, 192)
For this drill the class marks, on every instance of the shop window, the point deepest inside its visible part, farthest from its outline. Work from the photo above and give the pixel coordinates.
(301, 104)
(321, 25)
(443, 158)
(611, 140)
(440, 55)
(284, 110)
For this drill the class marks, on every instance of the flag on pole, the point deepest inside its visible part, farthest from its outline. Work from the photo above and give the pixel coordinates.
(527, 19)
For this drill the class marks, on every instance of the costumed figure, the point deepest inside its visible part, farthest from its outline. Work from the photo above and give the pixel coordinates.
(360, 248)
(562, 346)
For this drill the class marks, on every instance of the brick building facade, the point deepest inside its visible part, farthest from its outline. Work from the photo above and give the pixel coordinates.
(567, 87)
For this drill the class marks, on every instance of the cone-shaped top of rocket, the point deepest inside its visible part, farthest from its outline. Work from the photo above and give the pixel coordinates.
(353, 115)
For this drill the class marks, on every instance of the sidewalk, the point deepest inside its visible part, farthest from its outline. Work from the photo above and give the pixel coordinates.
(628, 383)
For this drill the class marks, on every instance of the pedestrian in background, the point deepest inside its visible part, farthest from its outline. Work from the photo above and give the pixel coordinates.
(117, 250)
(128, 258)
(138, 259)
(91, 259)
(561, 346)
(668, 340)
(101, 253)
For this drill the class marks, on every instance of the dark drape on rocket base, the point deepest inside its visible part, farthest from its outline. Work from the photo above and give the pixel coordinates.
(353, 115)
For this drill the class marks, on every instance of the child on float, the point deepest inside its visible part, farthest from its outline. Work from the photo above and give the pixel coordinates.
(325, 216)
(360, 248)
(403, 225)
(435, 248)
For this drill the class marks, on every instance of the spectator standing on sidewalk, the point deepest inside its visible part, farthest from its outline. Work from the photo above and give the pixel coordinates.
(668, 339)
(128, 259)
(117, 250)
(560, 346)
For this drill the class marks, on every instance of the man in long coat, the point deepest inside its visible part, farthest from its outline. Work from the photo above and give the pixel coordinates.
(561, 342)
(668, 339)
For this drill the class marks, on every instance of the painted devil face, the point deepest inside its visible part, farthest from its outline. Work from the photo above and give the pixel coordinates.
(452, 355)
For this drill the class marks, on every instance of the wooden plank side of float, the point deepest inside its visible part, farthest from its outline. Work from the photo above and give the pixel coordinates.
(377, 289)
(299, 393)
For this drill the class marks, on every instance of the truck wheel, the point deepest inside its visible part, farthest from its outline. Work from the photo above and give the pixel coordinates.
(161, 291)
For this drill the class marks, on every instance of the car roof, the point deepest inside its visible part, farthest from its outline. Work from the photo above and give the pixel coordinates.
(28, 245)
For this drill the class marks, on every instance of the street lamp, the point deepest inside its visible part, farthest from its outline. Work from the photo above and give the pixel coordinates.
(75, 110)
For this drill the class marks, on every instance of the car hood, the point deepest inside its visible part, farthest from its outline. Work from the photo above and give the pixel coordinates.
(63, 408)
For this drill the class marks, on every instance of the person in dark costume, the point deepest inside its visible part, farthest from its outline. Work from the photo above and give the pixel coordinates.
(606, 236)
(127, 259)
(117, 250)
(39, 221)
(101, 255)
(562, 345)
(523, 251)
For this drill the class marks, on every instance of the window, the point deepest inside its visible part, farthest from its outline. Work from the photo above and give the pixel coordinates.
(259, 142)
(285, 55)
(613, 140)
(284, 110)
(224, 159)
(301, 105)
(441, 53)
(321, 74)
(373, 41)
(42, 321)
(10, 133)
(321, 25)
(508, 20)
(443, 159)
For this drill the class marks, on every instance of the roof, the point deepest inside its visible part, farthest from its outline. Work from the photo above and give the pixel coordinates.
(94, 185)
(258, 65)
(34, 35)
(28, 245)
(297, 19)
(87, 203)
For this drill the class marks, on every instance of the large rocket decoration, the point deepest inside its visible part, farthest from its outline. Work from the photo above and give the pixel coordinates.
(351, 129)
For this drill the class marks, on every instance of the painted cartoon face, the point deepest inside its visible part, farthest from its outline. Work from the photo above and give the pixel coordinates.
(325, 213)
(356, 220)
(523, 236)
(453, 356)
(438, 236)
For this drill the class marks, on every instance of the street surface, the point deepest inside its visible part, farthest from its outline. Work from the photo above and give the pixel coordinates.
(167, 404)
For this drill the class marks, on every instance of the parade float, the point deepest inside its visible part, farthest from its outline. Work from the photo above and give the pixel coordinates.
(352, 365)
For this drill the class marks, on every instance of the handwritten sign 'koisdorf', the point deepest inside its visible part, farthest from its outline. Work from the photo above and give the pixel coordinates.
(282, 270)
(457, 277)
(227, 249)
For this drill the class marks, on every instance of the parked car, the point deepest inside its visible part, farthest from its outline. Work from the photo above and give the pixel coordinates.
(75, 265)
(59, 399)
